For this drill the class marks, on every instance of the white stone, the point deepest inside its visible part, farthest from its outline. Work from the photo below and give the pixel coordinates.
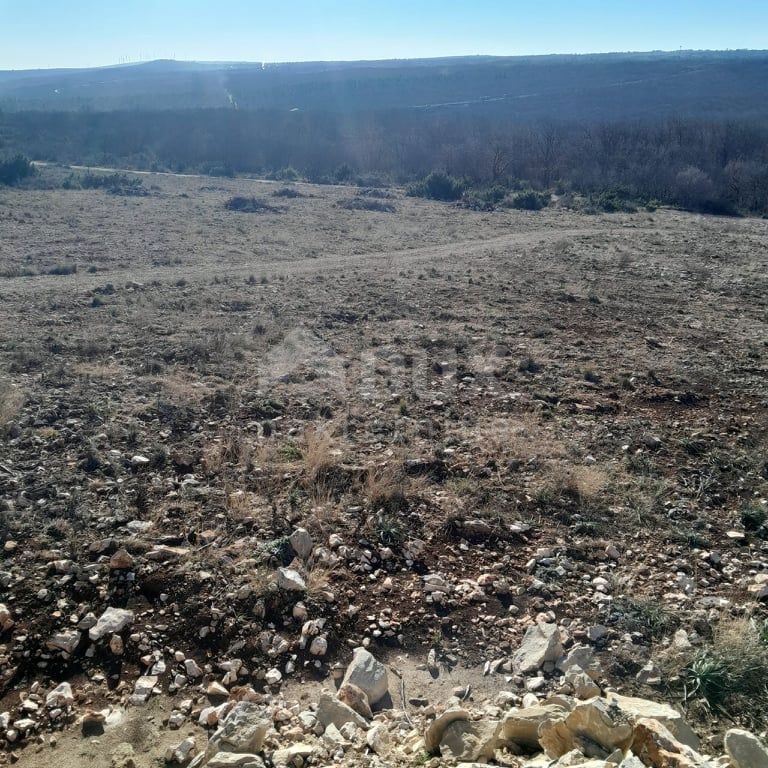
(368, 674)
(745, 750)
(541, 644)
(112, 621)
(290, 580)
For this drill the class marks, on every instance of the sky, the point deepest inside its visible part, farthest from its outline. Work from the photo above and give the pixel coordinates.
(84, 33)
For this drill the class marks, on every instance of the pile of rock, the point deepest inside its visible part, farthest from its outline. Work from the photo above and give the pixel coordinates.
(357, 725)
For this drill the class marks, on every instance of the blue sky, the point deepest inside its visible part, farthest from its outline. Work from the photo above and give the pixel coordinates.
(68, 33)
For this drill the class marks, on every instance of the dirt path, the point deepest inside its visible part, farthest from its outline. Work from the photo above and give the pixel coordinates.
(20, 286)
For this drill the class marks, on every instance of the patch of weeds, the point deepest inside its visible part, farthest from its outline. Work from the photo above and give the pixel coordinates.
(277, 552)
(528, 365)
(731, 676)
(753, 518)
(384, 487)
(250, 205)
(290, 452)
(648, 617)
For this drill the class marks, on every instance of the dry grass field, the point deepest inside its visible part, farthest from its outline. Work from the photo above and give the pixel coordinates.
(574, 404)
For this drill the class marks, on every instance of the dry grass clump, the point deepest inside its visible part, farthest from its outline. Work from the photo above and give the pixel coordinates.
(320, 456)
(730, 676)
(519, 440)
(233, 450)
(11, 401)
(582, 485)
(385, 488)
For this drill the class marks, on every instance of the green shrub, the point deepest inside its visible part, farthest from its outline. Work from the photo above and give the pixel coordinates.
(284, 174)
(528, 200)
(753, 518)
(731, 676)
(438, 186)
(14, 169)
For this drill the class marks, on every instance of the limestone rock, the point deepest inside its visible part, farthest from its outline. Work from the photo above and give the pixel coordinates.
(745, 750)
(301, 541)
(331, 711)
(243, 730)
(368, 674)
(60, 696)
(470, 740)
(657, 747)
(235, 760)
(595, 727)
(668, 716)
(521, 726)
(290, 580)
(379, 739)
(541, 643)
(355, 698)
(434, 734)
(112, 621)
(286, 757)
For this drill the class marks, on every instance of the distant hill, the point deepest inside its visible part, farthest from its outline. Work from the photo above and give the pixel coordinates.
(594, 87)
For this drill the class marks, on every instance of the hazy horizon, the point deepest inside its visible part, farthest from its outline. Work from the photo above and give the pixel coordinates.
(249, 62)
(44, 35)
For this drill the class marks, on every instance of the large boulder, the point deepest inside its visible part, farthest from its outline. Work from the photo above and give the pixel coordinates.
(354, 697)
(243, 731)
(368, 674)
(745, 750)
(521, 726)
(331, 711)
(470, 740)
(434, 734)
(541, 644)
(656, 710)
(656, 747)
(596, 728)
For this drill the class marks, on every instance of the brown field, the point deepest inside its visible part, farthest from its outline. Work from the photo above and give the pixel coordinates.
(447, 391)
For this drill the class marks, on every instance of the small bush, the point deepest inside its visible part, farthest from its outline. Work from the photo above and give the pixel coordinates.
(249, 205)
(731, 676)
(63, 269)
(753, 518)
(284, 174)
(613, 201)
(528, 200)
(438, 186)
(364, 204)
(113, 183)
(287, 192)
(14, 169)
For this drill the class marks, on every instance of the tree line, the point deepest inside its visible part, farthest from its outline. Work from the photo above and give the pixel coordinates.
(708, 165)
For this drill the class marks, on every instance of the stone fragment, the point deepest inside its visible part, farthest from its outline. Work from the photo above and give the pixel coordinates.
(658, 748)
(290, 580)
(355, 698)
(242, 731)
(379, 739)
(60, 696)
(595, 727)
(434, 734)
(470, 741)
(521, 726)
(368, 674)
(331, 711)
(112, 621)
(745, 750)
(301, 541)
(541, 644)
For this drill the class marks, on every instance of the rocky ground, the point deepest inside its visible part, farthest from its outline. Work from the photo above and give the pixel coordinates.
(237, 445)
